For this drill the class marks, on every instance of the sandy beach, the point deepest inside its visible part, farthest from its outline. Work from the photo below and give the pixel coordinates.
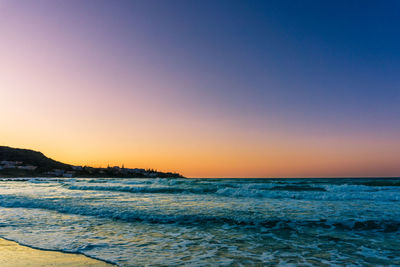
(13, 255)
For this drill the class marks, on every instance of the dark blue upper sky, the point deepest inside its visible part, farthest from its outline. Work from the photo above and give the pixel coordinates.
(333, 62)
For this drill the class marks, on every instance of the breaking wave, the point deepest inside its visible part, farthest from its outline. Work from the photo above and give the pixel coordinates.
(129, 215)
(142, 189)
(301, 192)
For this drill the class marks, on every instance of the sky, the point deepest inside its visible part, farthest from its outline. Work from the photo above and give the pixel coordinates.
(205, 88)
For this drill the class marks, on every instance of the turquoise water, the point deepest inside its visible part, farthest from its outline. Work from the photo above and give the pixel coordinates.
(208, 222)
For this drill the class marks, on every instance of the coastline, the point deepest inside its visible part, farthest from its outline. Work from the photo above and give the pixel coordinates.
(14, 254)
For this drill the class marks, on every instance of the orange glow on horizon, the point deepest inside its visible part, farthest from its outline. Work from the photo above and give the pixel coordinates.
(211, 158)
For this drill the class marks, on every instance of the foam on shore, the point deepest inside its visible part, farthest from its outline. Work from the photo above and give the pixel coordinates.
(12, 254)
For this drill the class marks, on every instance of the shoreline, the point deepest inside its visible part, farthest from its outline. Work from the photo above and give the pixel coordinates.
(14, 254)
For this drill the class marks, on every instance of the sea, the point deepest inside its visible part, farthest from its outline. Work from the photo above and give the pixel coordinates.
(208, 222)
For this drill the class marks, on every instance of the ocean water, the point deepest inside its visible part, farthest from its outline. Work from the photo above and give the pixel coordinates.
(208, 222)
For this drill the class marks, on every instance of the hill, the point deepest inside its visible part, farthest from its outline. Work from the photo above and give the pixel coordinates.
(31, 157)
(16, 162)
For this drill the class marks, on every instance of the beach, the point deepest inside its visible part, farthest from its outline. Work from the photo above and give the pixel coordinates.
(12, 254)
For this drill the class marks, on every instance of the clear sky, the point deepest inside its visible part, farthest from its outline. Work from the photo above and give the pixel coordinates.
(205, 88)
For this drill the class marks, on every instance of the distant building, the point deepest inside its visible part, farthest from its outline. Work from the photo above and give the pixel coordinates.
(136, 170)
(69, 174)
(56, 172)
(6, 162)
(28, 167)
(9, 166)
(77, 168)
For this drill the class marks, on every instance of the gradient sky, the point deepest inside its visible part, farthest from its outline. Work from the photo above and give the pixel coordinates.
(205, 88)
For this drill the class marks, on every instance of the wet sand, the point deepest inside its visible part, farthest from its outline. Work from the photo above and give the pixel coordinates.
(13, 255)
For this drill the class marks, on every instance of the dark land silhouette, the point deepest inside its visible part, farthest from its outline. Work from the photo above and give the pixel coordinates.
(16, 162)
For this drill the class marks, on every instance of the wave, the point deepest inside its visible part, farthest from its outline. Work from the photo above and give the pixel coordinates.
(229, 218)
(298, 188)
(329, 192)
(169, 187)
(380, 183)
(141, 189)
(316, 194)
